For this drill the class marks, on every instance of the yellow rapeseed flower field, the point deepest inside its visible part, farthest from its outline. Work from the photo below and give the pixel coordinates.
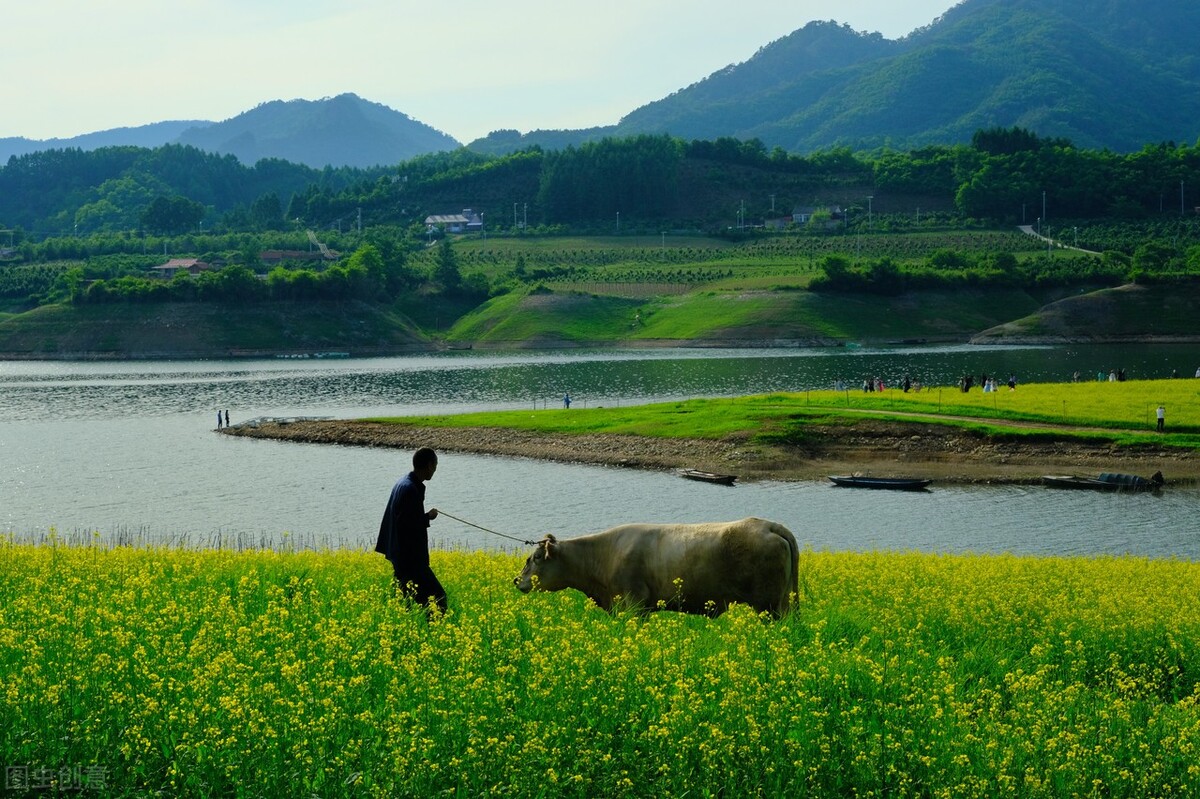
(262, 673)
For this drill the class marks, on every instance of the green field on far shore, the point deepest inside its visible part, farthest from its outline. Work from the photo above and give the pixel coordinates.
(1123, 412)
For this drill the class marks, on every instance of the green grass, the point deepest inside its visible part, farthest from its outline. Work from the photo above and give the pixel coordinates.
(1125, 408)
(532, 317)
(751, 316)
(1128, 311)
(216, 673)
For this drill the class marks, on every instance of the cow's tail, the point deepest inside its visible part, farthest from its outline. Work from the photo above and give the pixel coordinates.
(794, 552)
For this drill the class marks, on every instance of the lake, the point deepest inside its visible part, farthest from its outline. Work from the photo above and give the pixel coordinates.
(128, 450)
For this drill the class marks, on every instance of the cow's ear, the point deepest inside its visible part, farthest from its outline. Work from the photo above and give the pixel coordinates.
(551, 543)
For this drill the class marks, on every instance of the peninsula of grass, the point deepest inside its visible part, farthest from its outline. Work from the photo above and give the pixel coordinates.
(1121, 413)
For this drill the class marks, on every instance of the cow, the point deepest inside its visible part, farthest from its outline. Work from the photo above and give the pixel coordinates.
(695, 568)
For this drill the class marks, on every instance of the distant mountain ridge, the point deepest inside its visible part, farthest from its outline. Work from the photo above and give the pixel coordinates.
(1114, 74)
(153, 135)
(338, 131)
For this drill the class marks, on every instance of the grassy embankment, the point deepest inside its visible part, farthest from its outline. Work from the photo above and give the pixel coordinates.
(204, 329)
(672, 290)
(632, 290)
(1130, 312)
(652, 291)
(201, 673)
(1123, 413)
(733, 317)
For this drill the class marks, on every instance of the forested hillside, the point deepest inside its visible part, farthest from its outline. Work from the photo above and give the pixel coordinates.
(1110, 74)
(649, 183)
(342, 131)
(334, 131)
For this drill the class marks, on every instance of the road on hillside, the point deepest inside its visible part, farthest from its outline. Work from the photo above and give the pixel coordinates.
(1029, 231)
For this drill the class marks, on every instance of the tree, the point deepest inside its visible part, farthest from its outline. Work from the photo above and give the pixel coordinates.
(266, 213)
(446, 269)
(172, 215)
(368, 261)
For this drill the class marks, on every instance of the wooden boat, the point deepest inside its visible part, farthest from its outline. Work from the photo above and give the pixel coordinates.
(708, 477)
(1106, 481)
(890, 483)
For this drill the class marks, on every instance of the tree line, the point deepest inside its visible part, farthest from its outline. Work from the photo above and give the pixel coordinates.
(1003, 176)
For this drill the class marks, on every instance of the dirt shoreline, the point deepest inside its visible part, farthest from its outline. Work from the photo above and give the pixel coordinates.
(879, 448)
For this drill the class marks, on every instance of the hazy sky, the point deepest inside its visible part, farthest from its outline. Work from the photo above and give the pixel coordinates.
(467, 67)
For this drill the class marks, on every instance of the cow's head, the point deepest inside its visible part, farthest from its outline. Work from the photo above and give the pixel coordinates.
(543, 569)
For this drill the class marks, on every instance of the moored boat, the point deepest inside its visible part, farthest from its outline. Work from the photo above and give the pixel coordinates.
(708, 477)
(891, 483)
(1106, 481)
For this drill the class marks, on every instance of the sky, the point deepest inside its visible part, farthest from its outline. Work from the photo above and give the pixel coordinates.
(466, 68)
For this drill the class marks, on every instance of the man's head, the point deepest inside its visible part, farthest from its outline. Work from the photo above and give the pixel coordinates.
(424, 463)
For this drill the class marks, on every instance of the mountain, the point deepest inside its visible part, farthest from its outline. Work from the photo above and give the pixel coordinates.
(1114, 74)
(337, 131)
(149, 136)
(340, 131)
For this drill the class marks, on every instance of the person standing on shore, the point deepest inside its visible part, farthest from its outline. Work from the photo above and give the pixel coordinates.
(404, 534)
(1161, 413)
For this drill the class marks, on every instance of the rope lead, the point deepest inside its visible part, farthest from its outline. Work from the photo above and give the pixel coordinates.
(486, 530)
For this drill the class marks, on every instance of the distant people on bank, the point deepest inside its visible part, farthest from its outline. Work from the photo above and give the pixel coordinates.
(1198, 371)
(907, 384)
(1161, 415)
(1112, 376)
(1120, 375)
(566, 400)
(218, 420)
(1012, 382)
(227, 418)
(1075, 377)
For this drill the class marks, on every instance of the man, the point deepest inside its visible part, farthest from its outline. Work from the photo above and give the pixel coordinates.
(1161, 413)
(404, 533)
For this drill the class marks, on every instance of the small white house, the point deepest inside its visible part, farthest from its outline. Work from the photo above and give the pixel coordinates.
(466, 222)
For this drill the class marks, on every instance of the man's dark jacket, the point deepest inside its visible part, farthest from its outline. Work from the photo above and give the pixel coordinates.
(404, 531)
